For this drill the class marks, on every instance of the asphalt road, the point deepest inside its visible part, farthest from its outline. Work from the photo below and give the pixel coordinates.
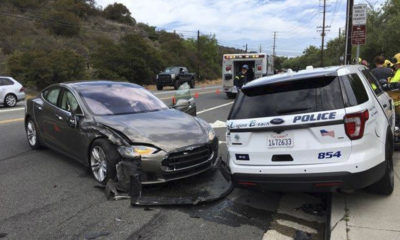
(44, 195)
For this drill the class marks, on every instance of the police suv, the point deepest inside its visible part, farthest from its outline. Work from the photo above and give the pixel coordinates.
(314, 130)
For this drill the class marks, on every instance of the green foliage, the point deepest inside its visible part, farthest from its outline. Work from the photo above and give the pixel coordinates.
(131, 59)
(39, 69)
(63, 23)
(23, 5)
(120, 13)
(311, 56)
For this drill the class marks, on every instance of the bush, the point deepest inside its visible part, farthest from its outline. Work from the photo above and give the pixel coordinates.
(132, 59)
(63, 23)
(119, 13)
(38, 69)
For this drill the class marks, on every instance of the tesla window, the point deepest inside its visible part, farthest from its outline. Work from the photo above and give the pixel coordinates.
(113, 99)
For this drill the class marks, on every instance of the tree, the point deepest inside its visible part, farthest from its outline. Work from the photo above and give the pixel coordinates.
(38, 69)
(132, 59)
(119, 13)
(63, 23)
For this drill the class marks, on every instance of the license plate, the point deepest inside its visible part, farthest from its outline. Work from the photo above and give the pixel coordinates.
(280, 141)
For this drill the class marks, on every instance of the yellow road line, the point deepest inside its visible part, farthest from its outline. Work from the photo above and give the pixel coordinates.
(12, 120)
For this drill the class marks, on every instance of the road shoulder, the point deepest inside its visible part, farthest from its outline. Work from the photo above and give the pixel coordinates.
(364, 215)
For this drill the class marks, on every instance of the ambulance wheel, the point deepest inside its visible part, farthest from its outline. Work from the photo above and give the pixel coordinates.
(230, 95)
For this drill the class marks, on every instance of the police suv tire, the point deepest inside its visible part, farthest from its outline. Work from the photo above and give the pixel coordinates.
(159, 87)
(385, 185)
(112, 158)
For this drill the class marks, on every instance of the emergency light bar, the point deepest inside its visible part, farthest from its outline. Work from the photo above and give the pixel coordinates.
(243, 56)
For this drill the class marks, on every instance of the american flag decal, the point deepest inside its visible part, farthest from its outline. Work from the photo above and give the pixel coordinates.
(325, 133)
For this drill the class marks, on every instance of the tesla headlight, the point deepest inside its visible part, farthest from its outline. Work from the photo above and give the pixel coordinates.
(211, 134)
(136, 151)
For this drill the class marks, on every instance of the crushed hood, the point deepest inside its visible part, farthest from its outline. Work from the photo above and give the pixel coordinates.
(166, 129)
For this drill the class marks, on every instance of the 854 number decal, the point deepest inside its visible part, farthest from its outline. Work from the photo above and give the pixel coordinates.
(327, 155)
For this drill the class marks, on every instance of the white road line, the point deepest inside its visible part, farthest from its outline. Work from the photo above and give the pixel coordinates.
(12, 109)
(216, 107)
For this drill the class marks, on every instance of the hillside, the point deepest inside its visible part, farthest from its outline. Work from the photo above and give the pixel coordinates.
(46, 41)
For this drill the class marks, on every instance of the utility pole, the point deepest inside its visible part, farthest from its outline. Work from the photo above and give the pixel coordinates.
(246, 48)
(259, 49)
(198, 54)
(349, 26)
(323, 34)
(273, 53)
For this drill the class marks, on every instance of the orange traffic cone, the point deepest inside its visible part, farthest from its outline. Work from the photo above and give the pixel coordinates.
(173, 100)
(196, 95)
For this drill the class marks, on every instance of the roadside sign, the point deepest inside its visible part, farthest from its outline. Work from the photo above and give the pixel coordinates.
(360, 14)
(359, 29)
(359, 35)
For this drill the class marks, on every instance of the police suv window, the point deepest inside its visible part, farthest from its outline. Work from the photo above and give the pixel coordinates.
(285, 98)
(374, 83)
(354, 90)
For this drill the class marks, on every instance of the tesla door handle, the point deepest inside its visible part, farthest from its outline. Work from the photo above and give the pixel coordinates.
(59, 117)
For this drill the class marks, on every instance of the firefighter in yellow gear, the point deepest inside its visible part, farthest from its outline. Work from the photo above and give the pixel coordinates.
(396, 63)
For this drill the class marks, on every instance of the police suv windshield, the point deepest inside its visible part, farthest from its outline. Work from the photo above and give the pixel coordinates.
(285, 98)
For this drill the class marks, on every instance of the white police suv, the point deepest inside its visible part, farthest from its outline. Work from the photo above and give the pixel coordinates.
(314, 130)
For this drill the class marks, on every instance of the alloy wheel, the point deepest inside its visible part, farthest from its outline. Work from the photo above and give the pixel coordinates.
(98, 163)
(11, 101)
(31, 133)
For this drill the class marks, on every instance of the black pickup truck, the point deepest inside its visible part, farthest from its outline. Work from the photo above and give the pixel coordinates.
(175, 76)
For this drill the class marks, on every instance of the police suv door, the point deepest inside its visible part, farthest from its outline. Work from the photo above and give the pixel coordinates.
(383, 98)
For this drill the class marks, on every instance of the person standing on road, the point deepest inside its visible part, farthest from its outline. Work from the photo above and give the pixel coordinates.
(241, 78)
(396, 62)
(381, 72)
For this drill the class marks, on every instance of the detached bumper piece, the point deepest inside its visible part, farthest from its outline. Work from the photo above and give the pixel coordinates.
(207, 187)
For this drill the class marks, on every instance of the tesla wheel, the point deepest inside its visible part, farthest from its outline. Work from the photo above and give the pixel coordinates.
(103, 159)
(159, 87)
(32, 135)
(385, 185)
(10, 100)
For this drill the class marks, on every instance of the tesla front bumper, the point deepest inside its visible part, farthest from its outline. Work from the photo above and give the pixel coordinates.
(181, 163)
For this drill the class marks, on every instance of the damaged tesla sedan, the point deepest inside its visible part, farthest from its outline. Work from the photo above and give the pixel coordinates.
(104, 123)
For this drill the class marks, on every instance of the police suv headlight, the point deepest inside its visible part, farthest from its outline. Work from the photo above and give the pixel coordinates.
(211, 134)
(136, 151)
(173, 76)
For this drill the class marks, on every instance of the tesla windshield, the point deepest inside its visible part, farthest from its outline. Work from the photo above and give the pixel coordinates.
(114, 99)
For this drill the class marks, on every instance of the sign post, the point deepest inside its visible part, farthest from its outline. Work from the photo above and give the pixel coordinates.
(359, 30)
